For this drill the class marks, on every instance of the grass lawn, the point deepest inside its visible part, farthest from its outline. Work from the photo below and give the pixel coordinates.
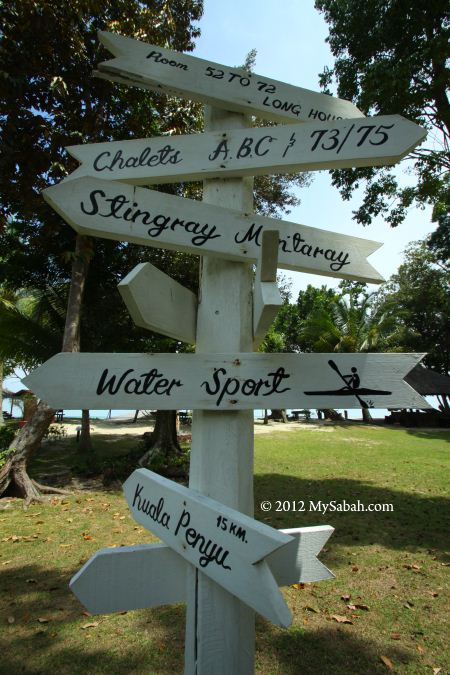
(393, 565)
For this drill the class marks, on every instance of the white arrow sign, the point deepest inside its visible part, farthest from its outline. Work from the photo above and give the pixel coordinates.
(163, 70)
(368, 141)
(222, 543)
(225, 381)
(150, 575)
(266, 296)
(123, 212)
(157, 302)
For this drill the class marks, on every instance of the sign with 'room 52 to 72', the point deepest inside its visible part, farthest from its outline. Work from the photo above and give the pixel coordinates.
(164, 70)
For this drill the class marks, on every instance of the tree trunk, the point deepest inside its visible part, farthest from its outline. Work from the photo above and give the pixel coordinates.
(331, 414)
(162, 442)
(366, 416)
(85, 443)
(13, 475)
(2, 421)
(266, 416)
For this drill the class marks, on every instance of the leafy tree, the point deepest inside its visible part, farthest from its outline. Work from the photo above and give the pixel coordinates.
(391, 57)
(419, 295)
(49, 100)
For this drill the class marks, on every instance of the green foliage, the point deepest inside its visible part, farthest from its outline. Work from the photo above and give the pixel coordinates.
(419, 297)
(7, 433)
(391, 58)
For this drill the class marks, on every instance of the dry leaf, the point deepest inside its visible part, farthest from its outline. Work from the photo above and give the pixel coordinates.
(351, 606)
(65, 545)
(420, 649)
(88, 537)
(298, 587)
(43, 620)
(94, 624)
(364, 607)
(7, 562)
(341, 619)
(346, 598)
(355, 568)
(436, 671)
(311, 609)
(395, 636)
(10, 619)
(387, 662)
(31, 581)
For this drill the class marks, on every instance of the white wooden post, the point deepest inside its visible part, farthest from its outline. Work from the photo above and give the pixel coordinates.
(220, 630)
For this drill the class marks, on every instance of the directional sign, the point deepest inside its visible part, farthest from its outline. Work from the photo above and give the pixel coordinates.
(368, 141)
(222, 543)
(123, 212)
(266, 296)
(163, 70)
(157, 302)
(225, 381)
(150, 575)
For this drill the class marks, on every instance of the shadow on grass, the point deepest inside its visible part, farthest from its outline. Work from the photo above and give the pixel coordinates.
(135, 642)
(332, 651)
(416, 521)
(146, 640)
(440, 435)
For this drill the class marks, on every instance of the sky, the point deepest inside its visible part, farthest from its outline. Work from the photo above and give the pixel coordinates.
(290, 39)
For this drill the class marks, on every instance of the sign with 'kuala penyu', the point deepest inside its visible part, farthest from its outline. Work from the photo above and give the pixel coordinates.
(114, 210)
(368, 141)
(227, 546)
(165, 71)
(225, 381)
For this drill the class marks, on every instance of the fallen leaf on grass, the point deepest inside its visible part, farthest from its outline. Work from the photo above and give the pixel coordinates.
(355, 568)
(361, 606)
(346, 598)
(87, 537)
(395, 636)
(7, 562)
(420, 649)
(341, 619)
(10, 619)
(387, 662)
(43, 620)
(298, 587)
(94, 624)
(31, 581)
(65, 545)
(311, 609)
(436, 671)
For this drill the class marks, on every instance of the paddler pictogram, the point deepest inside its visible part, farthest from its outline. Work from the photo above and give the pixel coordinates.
(352, 386)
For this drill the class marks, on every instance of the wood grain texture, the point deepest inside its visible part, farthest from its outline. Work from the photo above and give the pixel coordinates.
(312, 146)
(225, 382)
(165, 71)
(151, 575)
(166, 221)
(157, 302)
(266, 296)
(225, 545)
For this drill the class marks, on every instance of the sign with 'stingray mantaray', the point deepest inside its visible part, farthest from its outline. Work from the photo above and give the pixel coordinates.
(222, 543)
(368, 141)
(166, 71)
(236, 381)
(124, 212)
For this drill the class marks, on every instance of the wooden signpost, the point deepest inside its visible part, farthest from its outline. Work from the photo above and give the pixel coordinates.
(156, 302)
(113, 210)
(162, 70)
(313, 146)
(225, 545)
(216, 557)
(239, 381)
(150, 575)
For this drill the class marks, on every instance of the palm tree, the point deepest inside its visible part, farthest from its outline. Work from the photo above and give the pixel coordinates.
(351, 324)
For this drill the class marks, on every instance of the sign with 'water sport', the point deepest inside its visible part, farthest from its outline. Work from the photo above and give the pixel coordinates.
(225, 381)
